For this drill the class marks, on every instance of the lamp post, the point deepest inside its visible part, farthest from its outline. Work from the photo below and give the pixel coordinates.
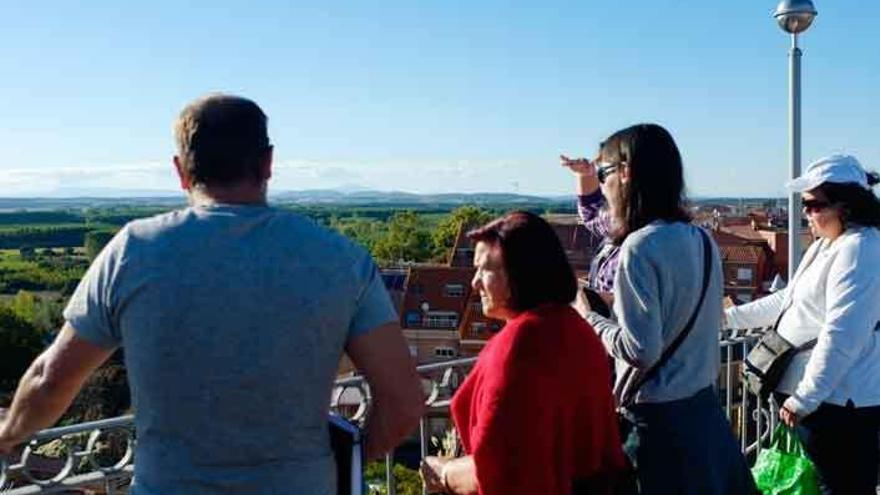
(794, 17)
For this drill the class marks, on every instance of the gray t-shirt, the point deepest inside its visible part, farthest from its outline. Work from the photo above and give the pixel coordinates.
(233, 320)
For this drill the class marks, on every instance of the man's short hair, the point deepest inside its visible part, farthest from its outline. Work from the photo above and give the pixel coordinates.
(221, 140)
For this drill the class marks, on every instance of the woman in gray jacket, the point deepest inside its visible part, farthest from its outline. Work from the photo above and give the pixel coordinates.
(830, 393)
(680, 441)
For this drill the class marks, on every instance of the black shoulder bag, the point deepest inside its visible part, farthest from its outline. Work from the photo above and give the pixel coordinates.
(767, 361)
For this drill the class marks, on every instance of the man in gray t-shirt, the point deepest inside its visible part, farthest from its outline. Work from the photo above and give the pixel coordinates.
(233, 316)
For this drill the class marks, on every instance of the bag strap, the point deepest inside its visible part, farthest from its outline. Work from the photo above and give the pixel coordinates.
(679, 339)
(812, 343)
(805, 263)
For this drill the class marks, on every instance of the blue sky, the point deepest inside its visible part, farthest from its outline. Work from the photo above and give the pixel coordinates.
(429, 96)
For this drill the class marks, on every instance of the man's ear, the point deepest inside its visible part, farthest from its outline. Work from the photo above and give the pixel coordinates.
(185, 182)
(266, 165)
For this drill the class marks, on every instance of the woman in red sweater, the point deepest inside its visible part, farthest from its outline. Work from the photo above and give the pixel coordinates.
(536, 414)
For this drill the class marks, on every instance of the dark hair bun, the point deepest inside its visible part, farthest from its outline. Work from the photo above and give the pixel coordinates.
(873, 178)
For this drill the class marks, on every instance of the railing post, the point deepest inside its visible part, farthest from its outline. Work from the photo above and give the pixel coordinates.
(728, 403)
(390, 485)
(423, 446)
(744, 416)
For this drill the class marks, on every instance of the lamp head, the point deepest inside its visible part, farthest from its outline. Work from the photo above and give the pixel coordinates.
(795, 16)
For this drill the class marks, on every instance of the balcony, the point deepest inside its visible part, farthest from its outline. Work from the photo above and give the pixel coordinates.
(85, 462)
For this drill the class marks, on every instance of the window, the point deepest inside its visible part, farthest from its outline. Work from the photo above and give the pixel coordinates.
(746, 297)
(416, 289)
(441, 319)
(445, 352)
(744, 274)
(413, 319)
(413, 351)
(453, 290)
(477, 307)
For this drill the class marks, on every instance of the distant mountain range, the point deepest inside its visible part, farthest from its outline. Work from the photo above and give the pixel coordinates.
(107, 198)
(97, 199)
(333, 196)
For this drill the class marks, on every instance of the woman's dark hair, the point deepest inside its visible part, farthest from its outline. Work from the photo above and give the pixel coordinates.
(538, 271)
(858, 205)
(655, 190)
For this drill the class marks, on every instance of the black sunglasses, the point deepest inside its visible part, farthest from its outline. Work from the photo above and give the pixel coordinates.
(604, 169)
(812, 205)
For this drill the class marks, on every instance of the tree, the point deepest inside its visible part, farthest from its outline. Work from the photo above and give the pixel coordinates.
(20, 343)
(406, 480)
(95, 241)
(407, 239)
(43, 315)
(24, 305)
(447, 229)
(26, 252)
(364, 231)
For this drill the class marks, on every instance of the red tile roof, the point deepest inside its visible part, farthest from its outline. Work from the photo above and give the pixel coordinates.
(724, 238)
(741, 254)
(744, 231)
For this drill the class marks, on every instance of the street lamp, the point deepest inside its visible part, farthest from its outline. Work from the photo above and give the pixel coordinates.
(794, 17)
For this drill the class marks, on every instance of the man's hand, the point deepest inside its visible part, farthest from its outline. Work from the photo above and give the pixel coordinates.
(382, 355)
(48, 386)
(5, 447)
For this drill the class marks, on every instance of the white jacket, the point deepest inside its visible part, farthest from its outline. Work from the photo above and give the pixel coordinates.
(835, 297)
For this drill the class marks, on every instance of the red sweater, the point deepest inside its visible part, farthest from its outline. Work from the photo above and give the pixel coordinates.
(536, 411)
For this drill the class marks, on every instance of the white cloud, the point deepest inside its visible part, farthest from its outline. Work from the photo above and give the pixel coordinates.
(56, 180)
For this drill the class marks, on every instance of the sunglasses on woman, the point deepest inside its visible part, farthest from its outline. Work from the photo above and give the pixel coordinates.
(812, 205)
(604, 169)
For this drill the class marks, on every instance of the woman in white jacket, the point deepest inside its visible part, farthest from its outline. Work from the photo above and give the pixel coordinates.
(830, 393)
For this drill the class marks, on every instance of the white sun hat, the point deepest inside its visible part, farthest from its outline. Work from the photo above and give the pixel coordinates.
(839, 169)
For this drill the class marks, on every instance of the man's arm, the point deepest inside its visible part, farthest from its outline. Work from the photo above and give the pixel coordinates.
(398, 402)
(49, 386)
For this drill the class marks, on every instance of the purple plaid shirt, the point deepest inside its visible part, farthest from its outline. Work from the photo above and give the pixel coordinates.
(596, 223)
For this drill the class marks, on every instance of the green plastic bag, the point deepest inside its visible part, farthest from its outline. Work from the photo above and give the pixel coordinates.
(783, 468)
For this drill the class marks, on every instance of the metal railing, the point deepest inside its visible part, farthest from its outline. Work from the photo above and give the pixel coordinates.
(752, 419)
(80, 465)
(83, 462)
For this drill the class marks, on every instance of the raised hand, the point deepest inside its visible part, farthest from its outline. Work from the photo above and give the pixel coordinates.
(580, 166)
